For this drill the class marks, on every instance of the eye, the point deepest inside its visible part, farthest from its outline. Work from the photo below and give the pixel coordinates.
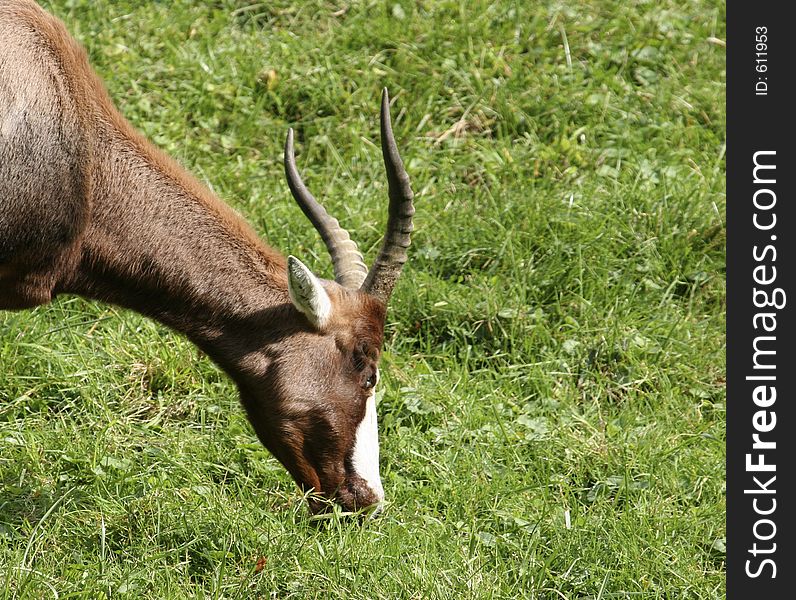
(370, 381)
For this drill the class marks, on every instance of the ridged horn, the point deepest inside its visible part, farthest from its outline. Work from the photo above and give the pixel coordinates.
(387, 267)
(349, 267)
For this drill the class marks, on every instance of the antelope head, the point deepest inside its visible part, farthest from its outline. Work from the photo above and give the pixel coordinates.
(316, 408)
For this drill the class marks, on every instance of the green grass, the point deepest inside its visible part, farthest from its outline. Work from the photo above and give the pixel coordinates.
(552, 406)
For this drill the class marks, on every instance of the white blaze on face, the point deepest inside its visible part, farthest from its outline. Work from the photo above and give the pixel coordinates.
(365, 457)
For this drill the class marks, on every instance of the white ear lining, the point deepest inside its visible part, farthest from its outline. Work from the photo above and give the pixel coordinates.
(307, 293)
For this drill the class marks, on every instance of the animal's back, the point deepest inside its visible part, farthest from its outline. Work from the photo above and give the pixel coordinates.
(45, 151)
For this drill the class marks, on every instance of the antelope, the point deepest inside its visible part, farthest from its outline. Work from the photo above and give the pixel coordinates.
(89, 207)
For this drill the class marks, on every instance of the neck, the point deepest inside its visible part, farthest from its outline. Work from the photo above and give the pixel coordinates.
(160, 243)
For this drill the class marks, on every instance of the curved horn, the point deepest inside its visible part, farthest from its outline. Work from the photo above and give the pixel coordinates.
(349, 267)
(392, 256)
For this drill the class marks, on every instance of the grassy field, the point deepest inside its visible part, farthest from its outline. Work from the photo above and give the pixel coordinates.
(552, 400)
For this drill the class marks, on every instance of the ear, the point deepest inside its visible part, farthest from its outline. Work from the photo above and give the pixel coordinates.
(307, 293)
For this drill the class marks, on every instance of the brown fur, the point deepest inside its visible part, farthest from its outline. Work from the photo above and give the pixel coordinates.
(89, 207)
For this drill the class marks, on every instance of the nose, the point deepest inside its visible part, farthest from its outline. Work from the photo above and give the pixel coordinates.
(355, 494)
